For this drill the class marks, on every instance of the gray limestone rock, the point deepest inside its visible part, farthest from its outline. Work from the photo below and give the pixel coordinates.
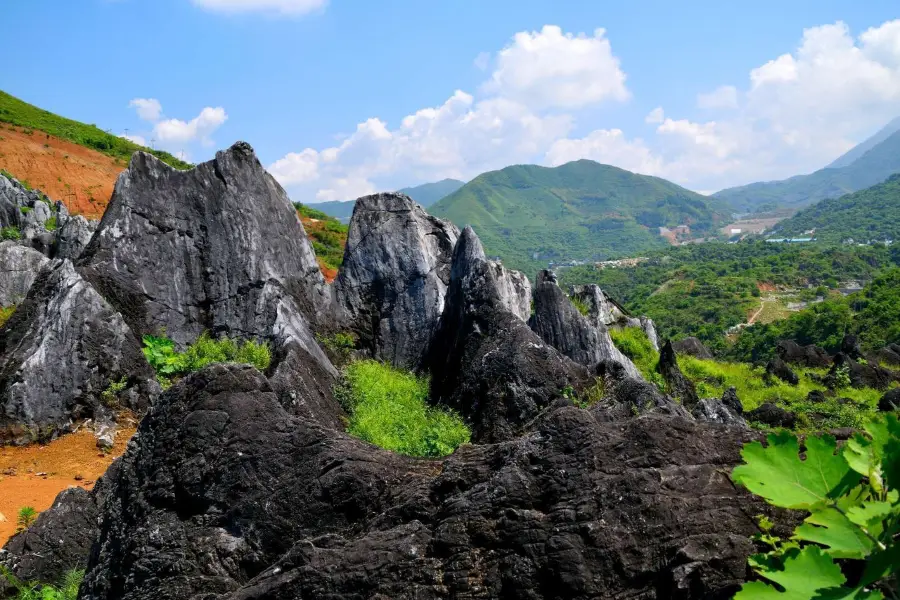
(514, 289)
(73, 236)
(18, 268)
(396, 269)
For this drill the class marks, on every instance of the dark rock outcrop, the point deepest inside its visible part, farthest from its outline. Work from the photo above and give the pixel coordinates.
(890, 401)
(727, 411)
(691, 346)
(889, 355)
(304, 387)
(778, 368)
(218, 248)
(58, 352)
(861, 375)
(223, 494)
(850, 347)
(679, 386)
(485, 362)
(394, 277)
(73, 236)
(560, 324)
(514, 290)
(804, 356)
(772, 415)
(815, 396)
(18, 268)
(625, 397)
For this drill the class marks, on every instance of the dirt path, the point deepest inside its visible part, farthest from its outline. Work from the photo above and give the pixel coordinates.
(762, 305)
(34, 475)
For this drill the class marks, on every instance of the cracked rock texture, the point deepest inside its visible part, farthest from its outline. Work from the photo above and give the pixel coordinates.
(18, 268)
(73, 236)
(394, 277)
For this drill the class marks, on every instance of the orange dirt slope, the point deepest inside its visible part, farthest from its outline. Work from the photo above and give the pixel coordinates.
(81, 177)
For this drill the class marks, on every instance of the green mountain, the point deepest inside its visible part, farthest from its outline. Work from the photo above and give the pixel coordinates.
(425, 194)
(872, 214)
(860, 149)
(529, 215)
(873, 166)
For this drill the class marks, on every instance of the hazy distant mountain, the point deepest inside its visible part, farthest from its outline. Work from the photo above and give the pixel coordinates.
(425, 194)
(584, 210)
(870, 163)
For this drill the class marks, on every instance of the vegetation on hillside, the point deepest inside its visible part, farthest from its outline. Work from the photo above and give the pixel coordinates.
(328, 237)
(66, 589)
(851, 496)
(529, 215)
(702, 290)
(872, 214)
(389, 408)
(871, 168)
(16, 112)
(170, 364)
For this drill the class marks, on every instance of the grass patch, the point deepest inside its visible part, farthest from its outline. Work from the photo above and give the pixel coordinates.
(5, 313)
(10, 233)
(51, 223)
(67, 589)
(580, 304)
(634, 343)
(389, 408)
(170, 364)
(328, 236)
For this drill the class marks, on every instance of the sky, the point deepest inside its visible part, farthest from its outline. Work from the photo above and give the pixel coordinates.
(342, 98)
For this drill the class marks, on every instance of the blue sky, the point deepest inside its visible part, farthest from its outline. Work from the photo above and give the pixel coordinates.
(708, 94)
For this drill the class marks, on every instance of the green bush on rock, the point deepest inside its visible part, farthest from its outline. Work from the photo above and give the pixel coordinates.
(67, 589)
(389, 408)
(169, 363)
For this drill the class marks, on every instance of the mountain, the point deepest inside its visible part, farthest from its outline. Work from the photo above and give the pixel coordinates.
(874, 165)
(857, 151)
(872, 214)
(529, 215)
(425, 194)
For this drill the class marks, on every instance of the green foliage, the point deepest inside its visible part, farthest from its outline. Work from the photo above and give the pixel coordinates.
(634, 343)
(51, 223)
(339, 345)
(853, 505)
(110, 396)
(169, 363)
(25, 517)
(10, 233)
(25, 209)
(67, 589)
(872, 214)
(581, 305)
(19, 113)
(578, 211)
(389, 408)
(328, 235)
(5, 313)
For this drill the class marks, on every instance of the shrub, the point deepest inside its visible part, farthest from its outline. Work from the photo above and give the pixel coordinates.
(67, 589)
(110, 396)
(5, 313)
(50, 224)
(580, 304)
(25, 209)
(339, 345)
(26, 516)
(169, 363)
(389, 408)
(10, 233)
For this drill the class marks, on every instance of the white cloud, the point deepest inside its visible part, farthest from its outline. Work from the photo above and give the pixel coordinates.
(148, 109)
(176, 131)
(608, 146)
(725, 96)
(137, 139)
(482, 61)
(285, 7)
(552, 69)
(296, 167)
(657, 115)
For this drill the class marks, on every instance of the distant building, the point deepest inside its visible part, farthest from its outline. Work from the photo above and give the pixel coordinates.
(735, 231)
(791, 240)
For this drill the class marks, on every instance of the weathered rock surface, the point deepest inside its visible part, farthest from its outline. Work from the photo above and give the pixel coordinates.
(304, 387)
(73, 236)
(485, 362)
(514, 289)
(805, 356)
(850, 347)
(218, 248)
(61, 348)
(394, 276)
(214, 500)
(861, 375)
(772, 416)
(560, 324)
(602, 309)
(649, 328)
(691, 346)
(778, 368)
(727, 411)
(679, 386)
(625, 397)
(18, 268)
(60, 539)
(890, 401)
(889, 355)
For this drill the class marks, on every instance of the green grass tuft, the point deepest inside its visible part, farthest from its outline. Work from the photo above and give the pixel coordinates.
(389, 408)
(67, 589)
(10, 233)
(580, 304)
(169, 363)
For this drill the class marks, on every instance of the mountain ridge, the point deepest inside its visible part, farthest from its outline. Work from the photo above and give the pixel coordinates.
(425, 195)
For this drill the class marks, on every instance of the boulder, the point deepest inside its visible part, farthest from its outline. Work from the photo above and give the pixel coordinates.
(304, 387)
(514, 289)
(394, 277)
(217, 248)
(559, 323)
(850, 347)
(485, 362)
(224, 494)
(714, 410)
(732, 402)
(778, 368)
(649, 328)
(624, 396)
(804, 356)
(73, 236)
(692, 346)
(889, 355)
(771, 415)
(59, 351)
(19, 267)
(890, 401)
(679, 386)
(602, 309)
(861, 375)
(815, 396)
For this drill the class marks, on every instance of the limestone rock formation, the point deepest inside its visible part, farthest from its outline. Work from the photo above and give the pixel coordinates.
(691, 346)
(560, 324)
(625, 396)
(602, 310)
(514, 289)
(778, 368)
(18, 268)
(73, 236)
(772, 415)
(58, 352)
(890, 401)
(679, 386)
(485, 362)
(394, 277)
(218, 248)
(649, 328)
(268, 505)
(861, 375)
(804, 356)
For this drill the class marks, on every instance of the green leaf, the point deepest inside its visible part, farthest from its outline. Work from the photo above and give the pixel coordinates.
(877, 456)
(802, 575)
(777, 473)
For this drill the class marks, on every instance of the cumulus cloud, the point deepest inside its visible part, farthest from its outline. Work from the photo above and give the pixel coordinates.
(552, 69)
(657, 115)
(137, 139)
(148, 109)
(285, 7)
(176, 131)
(725, 96)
